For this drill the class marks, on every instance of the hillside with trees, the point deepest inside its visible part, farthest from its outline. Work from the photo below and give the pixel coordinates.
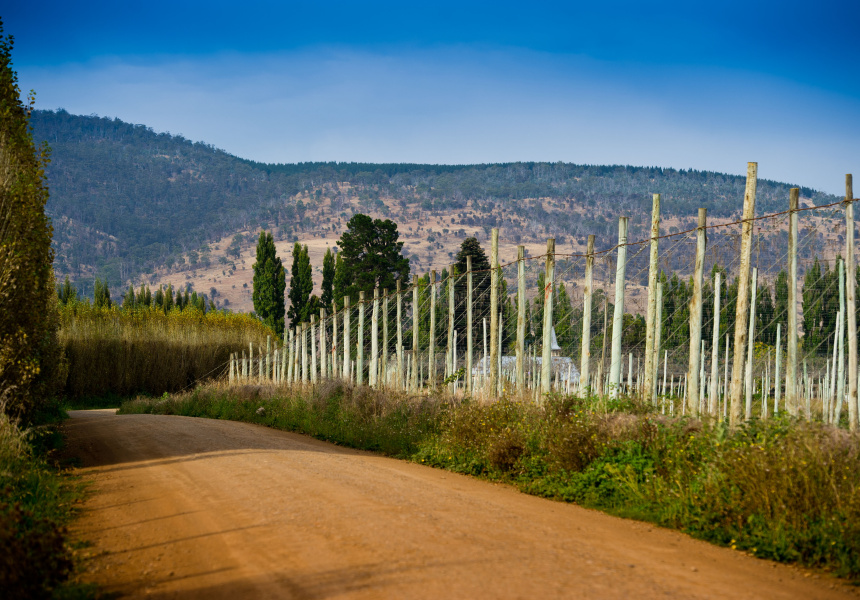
(130, 204)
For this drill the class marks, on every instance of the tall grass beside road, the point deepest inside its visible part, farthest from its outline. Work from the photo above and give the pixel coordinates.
(780, 489)
(36, 504)
(114, 352)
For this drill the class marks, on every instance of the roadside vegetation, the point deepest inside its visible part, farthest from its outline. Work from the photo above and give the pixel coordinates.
(117, 352)
(780, 489)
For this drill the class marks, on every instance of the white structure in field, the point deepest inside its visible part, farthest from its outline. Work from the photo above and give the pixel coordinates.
(562, 366)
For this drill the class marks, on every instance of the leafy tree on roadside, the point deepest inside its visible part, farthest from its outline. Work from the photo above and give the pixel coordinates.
(30, 357)
(301, 286)
(269, 285)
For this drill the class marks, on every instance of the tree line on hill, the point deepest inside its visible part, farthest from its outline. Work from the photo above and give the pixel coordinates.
(127, 200)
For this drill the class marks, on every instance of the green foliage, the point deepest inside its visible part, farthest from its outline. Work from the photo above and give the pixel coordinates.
(147, 350)
(372, 256)
(328, 274)
(30, 360)
(36, 504)
(101, 295)
(67, 293)
(269, 284)
(778, 489)
(301, 286)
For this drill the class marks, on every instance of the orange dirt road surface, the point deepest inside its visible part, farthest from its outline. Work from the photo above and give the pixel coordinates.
(196, 508)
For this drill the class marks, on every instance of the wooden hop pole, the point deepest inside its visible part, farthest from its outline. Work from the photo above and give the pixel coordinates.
(549, 284)
(399, 336)
(521, 318)
(714, 393)
(840, 342)
(750, 348)
(658, 334)
(791, 359)
(650, 362)
(347, 362)
(494, 311)
(372, 378)
(323, 353)
(696, 317)
(384, 368)
(359, 365)
(850, 301)
(743, 295)
(416, 314)
(585, 351)
(451, 365)
(431, 351)
(470, 336)
(313, 348)
(618, 315)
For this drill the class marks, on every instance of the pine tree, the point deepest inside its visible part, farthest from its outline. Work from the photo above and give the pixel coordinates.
(301, 286)
(480, 285)
(67, 293)
(168, 298)
(269, 285)
(101, 294)
(129, 300)
(328, 274)
(372, 255)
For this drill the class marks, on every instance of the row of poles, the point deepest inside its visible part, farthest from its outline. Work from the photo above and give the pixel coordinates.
(309, 361)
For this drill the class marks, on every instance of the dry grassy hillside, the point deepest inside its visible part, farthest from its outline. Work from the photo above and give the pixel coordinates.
(431, 241)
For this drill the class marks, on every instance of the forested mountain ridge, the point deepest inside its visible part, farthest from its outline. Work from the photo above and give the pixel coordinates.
(127, 201)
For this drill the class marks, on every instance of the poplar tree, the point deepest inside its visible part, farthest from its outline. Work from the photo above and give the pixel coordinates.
(101, 294)
(30, 357)
(328, 274)
(301, 285)
(269, 285)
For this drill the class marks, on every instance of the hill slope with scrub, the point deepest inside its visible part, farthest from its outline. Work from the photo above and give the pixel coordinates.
(130, 204)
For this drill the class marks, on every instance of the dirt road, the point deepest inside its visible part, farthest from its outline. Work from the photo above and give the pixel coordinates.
(194, 508)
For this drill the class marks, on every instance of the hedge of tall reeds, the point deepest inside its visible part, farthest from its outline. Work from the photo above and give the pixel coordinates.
(781, 489)
(122, 352)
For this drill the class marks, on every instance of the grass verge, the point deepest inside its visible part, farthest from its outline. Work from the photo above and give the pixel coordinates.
(36, 505)
(780, 489)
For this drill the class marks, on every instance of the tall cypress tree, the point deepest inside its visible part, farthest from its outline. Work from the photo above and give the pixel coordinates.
(340, 282)
(301, 285)
(328, 279)
(269, 285)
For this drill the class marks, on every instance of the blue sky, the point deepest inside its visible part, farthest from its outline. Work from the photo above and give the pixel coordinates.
(670, 84)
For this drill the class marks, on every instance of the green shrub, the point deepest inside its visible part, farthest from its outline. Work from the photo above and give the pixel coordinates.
(35, 506)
